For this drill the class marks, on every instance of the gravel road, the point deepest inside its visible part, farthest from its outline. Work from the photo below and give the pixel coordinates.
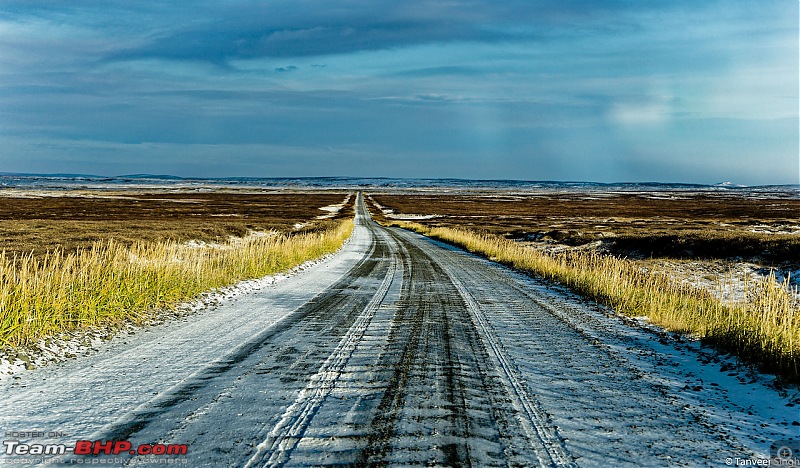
(403, 351)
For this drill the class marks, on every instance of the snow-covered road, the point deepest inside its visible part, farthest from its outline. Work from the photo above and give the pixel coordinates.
(401, 350)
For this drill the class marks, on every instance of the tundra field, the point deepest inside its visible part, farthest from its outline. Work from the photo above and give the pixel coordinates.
(721, 242)
(570, 339)
(72, 260)
(723, 267)
(43, 221)
(678, 225)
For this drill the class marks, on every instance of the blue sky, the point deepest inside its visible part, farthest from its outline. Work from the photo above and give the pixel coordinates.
(668, 91)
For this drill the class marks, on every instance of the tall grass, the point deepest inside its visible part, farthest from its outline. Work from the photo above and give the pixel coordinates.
(111, 282)
(763, 328)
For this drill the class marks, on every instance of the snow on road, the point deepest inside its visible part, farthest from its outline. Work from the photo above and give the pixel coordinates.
(400, 350)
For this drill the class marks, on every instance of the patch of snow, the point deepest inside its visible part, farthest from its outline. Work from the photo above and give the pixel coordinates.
(410, 217)
(200, 244)
(70, 345)
(333, 210)
(727, 281)
(780, 229)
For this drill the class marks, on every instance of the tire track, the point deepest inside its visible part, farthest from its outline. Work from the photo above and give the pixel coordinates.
(277, 448)
(543, 437)
(450, 394)
(421, 331)
(405, 337)
(608, 410)
(329, 306)
(485, 411)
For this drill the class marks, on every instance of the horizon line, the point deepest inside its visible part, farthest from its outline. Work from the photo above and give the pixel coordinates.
(728, 184)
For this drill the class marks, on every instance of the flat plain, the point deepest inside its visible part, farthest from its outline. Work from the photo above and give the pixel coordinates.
(41, 221)
(401, 351)
(715, 265)
(672, 224)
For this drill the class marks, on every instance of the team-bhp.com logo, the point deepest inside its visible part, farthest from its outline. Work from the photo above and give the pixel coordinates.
(97, 447)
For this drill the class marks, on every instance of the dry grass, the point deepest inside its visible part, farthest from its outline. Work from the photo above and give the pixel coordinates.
(708, 225)
(540, 232)
(764, 328)
(73, 259)
(42, 222)
(111, 282)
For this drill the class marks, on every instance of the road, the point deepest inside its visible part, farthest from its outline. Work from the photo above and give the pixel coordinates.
(403, 351)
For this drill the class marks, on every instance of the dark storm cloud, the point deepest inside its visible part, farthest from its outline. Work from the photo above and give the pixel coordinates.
(220, 44)
(311, 28)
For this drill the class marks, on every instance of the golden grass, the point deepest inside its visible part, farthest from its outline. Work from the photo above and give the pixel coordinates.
(69, 220)
(713, 225)
(764, 328)
(112, 282)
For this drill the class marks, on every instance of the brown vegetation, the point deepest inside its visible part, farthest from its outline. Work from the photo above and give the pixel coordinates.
(71, 261)
(677, 225)
(45, 222)
(762, 326)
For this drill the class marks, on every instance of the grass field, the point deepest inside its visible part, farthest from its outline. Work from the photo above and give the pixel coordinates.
(762, 327)
(639, 225)
(39, 222)
(110, 261)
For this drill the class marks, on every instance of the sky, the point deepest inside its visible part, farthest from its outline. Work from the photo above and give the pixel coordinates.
(608, 91)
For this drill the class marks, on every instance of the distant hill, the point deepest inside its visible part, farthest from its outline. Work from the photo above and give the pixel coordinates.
(68, 180)
(57, 175)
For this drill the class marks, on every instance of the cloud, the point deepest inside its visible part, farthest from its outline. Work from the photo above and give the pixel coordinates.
(444, 70)
(519, 88)
(642, 113)
(220, 46)
(302, 28)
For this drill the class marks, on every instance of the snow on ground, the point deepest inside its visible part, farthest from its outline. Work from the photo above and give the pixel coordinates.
(233, 241)
(70, 345)
(722, 394)
(726, 280)
(409, 217)
(333, 210)
(719, 390)
(779, 229)
(390, 214)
